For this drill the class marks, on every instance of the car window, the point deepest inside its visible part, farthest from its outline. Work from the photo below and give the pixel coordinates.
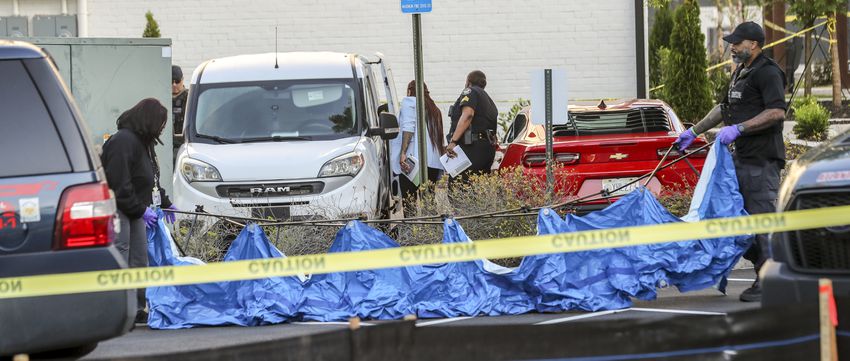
(301, 109)
(516, 128)
(639, 120)
(29, 143)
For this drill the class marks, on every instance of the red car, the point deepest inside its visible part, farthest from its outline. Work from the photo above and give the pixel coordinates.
(604, 147)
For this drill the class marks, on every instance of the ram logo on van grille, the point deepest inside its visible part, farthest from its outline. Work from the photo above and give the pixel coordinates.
(263, 190)
(269, 190)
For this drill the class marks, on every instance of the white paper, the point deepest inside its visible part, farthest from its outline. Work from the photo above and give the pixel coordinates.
(414, 171)
(457, 164)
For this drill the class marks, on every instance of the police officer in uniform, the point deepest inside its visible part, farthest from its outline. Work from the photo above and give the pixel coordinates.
(178, 103)
(752, 112)
(474, 119)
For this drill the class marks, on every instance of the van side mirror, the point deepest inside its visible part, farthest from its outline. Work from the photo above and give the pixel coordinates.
(388, 129)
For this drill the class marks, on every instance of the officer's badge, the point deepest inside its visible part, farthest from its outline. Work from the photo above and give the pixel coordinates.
(464, 99)
(466, 91)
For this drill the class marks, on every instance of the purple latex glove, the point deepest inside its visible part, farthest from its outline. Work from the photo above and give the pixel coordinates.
(685, 139)
(170, 216)
(149, 217)
(728, 134)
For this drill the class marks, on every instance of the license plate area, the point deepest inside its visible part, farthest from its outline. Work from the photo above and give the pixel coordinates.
(611, 184)
(277, 213)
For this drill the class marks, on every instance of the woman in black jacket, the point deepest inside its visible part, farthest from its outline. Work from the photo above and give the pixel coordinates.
(132, 172)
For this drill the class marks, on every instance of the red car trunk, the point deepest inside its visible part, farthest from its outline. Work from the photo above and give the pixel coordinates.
(607, 148)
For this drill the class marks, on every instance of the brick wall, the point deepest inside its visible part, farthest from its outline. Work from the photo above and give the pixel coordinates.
(593, 41)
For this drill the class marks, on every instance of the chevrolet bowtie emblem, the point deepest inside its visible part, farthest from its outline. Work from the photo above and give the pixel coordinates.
(618, 156)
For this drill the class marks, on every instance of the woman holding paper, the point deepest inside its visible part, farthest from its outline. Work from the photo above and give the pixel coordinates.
(404, 150)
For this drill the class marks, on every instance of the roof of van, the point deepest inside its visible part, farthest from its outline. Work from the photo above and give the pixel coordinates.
(10, 49)
(260, 67)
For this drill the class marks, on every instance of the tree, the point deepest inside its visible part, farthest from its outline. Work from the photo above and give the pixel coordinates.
(659, 38)
(807, 11)
(686, 86)
(152, 28)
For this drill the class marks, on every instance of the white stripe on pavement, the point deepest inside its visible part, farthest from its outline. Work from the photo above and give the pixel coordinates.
(444, 320)
(741, 279)
(579, 317)
(688, 312)
(335, 323)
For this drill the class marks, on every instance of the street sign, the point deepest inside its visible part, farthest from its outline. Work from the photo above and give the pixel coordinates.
(415, 6)
(558, 87)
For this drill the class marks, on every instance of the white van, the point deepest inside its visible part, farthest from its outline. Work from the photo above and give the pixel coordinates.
(288, 136)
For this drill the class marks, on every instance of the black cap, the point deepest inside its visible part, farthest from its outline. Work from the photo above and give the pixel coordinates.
(176, 73)
(746, 31)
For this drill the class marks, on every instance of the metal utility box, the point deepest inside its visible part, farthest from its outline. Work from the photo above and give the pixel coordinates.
(44, 25)
(64, 26)
(17, 26)
(109, 76)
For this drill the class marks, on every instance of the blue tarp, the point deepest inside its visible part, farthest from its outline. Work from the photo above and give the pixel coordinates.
(592, 280)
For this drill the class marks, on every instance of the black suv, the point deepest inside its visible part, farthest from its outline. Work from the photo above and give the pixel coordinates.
(57, 214)
(819, 178)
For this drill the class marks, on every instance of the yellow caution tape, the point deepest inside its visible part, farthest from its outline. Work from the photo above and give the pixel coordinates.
(98, 281)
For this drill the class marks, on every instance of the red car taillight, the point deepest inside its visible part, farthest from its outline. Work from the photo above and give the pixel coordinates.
(539, 159)
(85, 217)
(702, 153)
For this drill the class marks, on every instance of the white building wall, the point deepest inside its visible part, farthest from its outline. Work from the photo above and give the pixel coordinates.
(593, 41)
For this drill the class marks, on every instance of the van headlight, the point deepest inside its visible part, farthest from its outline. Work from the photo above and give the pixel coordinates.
(347, 164)
(196, 171)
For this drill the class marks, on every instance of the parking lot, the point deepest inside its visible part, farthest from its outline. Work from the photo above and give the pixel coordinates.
(143, 342)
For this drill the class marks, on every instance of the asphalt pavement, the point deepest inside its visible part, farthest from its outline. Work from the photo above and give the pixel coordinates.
(144, 342)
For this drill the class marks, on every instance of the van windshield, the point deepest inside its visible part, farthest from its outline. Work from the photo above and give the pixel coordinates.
(284, 110)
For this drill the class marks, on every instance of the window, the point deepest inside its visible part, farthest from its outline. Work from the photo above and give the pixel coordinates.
(299, 109)
(639, 120)
(29, 143)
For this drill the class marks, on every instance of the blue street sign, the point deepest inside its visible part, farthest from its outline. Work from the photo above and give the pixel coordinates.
(415, 6)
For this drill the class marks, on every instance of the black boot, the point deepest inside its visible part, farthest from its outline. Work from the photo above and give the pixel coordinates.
(752, 294)
(142, 317)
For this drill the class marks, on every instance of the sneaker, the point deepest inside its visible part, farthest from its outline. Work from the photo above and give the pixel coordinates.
(142, 317)
(752, 294)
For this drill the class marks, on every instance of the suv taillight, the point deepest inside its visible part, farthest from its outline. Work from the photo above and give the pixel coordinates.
(85, 218)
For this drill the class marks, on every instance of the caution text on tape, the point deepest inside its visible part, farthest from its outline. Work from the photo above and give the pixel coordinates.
(98, 281)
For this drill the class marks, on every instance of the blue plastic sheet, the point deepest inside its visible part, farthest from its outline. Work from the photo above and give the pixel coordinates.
(592, 280)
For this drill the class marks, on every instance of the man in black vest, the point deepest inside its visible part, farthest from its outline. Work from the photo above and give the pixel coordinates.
(474, 119)
(752, 112)
(178, 103)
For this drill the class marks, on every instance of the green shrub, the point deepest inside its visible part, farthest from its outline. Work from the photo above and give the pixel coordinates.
(719, 80)
(803, 100)
(812, 122)
(507, 118)
(151, 28)
(686, 86)
(659, 39)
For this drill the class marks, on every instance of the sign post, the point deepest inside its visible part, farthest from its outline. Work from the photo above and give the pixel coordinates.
(549, 107)
(416, 7)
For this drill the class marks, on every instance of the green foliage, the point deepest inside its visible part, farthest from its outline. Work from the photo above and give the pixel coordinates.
(803, 100)
(720, 80)
(809, 10)
(507, 118)
(659, 38)
(663, 63)
(686, 85)
(657, 3)
(812, 121)
(152, 28)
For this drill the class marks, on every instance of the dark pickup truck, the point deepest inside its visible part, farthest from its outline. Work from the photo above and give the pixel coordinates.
(819, 178)
(57, 214)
